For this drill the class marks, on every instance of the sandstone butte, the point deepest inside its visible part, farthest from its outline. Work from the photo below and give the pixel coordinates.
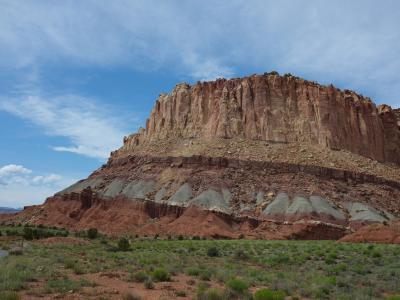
(260, 157)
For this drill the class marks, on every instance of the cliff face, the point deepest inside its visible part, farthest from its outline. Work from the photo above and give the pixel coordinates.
(269, 107)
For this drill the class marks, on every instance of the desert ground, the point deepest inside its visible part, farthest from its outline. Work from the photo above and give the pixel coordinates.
(51, 263)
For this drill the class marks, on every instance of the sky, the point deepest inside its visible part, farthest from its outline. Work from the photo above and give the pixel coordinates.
(77, 76)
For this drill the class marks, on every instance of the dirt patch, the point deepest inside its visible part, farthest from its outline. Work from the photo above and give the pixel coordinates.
(375, 233)
(114, 286)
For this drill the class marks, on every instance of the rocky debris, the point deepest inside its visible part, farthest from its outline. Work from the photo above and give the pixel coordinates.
(114, 188)
(213, 199)
(182, 196)
(138, 189)
(300, 208)
(361, 214)
(83, 184)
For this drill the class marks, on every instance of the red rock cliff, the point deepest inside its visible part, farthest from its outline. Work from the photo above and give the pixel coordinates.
(274, 108)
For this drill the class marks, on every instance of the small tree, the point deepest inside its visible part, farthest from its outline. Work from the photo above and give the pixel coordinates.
(92, 233)
(123, 244)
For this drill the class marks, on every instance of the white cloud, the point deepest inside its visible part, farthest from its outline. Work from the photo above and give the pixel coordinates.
(89, 128)
(20, 185)
(46, 179)
(9, 170)
(17, 174)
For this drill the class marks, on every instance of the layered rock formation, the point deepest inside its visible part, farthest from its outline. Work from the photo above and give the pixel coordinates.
(261, 157)
(273, 108)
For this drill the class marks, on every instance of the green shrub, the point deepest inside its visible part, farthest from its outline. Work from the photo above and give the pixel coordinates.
(123, 244)
(140, 276)
(213, 294)
(28, 233)
(237, 285)
(213, 251)
(61, 286)
(265, 294)
(205, 275)
(78, 269)
(92, 233)
(193, 271)
(161, 274)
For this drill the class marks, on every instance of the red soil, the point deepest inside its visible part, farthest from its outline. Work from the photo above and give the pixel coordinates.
(375, 233)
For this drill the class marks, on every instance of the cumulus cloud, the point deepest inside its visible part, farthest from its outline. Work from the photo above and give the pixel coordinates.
(20, 185)
(11, 174)
(9, 170)
(90, 129)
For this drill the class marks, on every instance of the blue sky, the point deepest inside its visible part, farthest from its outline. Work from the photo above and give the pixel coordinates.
(76, 76)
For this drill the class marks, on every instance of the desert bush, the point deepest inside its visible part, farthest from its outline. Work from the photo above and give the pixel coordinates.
(92, 233)
(211, 294)
(140, 276)
(61, 286)
(148, 284)
(237, 285)
(213, 251)
(161, 274)
(123, 244)
(193, 271)
(266, 294)
(78, 269)
(205, 274)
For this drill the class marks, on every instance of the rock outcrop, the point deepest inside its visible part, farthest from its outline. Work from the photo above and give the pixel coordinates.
(266, 156)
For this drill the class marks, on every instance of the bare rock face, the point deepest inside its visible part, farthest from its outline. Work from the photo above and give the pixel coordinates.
(274, 108)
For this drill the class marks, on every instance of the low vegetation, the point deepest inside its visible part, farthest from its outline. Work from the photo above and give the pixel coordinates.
(217, 269)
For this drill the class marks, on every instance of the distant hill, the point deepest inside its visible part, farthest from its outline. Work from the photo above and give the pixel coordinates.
(9, 210)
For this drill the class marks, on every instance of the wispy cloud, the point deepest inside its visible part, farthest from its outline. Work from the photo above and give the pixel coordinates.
(90, 129)
(352, 42)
